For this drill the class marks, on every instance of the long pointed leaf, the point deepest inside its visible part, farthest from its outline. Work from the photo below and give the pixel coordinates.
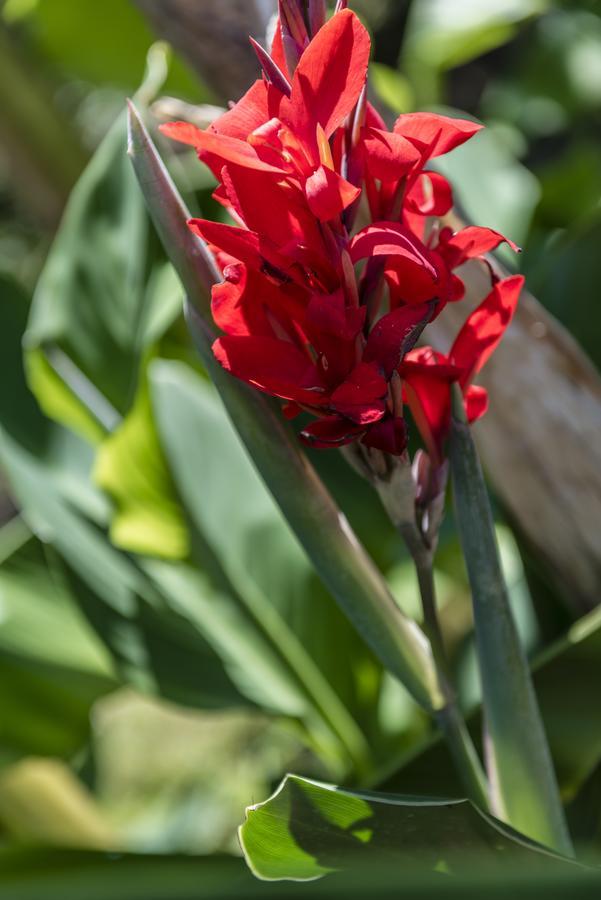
(526, 787)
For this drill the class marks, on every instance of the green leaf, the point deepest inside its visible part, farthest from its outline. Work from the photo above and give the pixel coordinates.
(307, 829)
(99, 301)
(391, 87)
(526, 793)
(441, 35)
(566, 676)
(493, 187)
(151, 647)
(105, 46)
(280, 646)
(325, 534)
(131, 468)
(52, 667)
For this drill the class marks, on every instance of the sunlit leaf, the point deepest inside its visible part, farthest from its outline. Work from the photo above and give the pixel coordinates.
(307, 829)
(131, 468)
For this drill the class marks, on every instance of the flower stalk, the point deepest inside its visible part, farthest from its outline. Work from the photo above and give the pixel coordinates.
(395, 483)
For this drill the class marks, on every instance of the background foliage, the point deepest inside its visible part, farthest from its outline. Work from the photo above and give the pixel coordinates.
(166, 651)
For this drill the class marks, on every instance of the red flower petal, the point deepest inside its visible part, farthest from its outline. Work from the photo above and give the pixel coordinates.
(243, 245)
(222, 147)
(277, 50)
(411, 283)
(246, 115)
(331, 431)
(247, 302)
(274, 366)
(390, 239)
(394, 335)
(484, 328)
(470, 242)
(431, 195)
(388, 156)
(429, 400)
(476, 402)
(439, 134)
(361, 396)
(328, 193)
(328, 313)
(277, 211)
(329, 78)
(388, 435)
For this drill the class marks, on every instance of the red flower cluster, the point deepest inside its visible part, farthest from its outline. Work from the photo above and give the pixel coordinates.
(315, 309)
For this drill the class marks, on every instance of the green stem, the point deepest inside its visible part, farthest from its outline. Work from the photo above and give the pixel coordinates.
(526, 787)
(449, 718)
(394, 482)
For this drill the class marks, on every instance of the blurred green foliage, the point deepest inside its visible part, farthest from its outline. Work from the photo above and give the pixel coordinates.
(152, 600)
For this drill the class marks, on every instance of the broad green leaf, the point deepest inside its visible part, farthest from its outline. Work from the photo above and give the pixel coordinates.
(105, 46)
(42, 874)
(151, 647)
(52, 667)
(392, 87)
(440, 35)
(100, 301)
(282, 640)
(307, 829)
(131, 468)
(67, 457)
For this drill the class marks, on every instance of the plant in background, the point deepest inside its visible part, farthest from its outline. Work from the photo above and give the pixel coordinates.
(325, 285)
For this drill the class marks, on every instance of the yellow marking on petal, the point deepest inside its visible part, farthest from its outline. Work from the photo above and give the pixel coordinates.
(325, 151)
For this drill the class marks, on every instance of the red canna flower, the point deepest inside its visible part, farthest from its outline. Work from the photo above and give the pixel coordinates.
(335, 264)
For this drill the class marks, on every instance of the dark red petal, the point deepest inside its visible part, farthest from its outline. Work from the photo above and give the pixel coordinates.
(224, 148)
(388, 156)
(328, 313)
(394, 335)
(476, 402)
(439, 134)
(274, 366)
(329, 78)
(484, 328)
(411, 283)
(361, 397)
(390, 239)
(331, 431)
(388, 435)
(429, 399)
(470, 242)
(328, 194)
